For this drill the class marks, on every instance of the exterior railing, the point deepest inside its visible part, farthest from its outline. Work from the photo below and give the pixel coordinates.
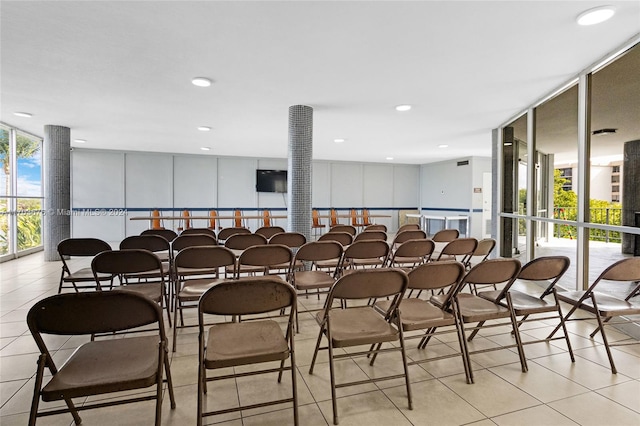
(606, 216)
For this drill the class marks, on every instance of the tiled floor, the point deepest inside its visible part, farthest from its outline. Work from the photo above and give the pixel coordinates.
(553, 392)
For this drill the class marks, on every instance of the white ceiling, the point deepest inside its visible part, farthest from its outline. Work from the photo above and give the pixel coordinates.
(118, 73)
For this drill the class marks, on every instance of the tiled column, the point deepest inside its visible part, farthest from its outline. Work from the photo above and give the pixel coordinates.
(299, 173)
(57, 189)
(630, 195)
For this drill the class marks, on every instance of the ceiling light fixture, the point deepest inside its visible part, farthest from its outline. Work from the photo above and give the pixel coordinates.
(201, 82)
(603, 132)
(389, 158)
(443, 146)
(23, 114)
(80, 141)
(205, 148)
(595, 15)
(204, 128)
(339, 140)
(403, 108)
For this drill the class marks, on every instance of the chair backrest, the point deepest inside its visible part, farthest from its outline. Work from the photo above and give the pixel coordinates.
(167, 234)
(411, 234)
(81, 247)
(463, 247)
(237, 222)
(227, 232)
(371, 235)
(436, 275)
(315, 217)
(155, 222)
(445, 235)
(368, 249)
(376, 227)
(269, 231)
(344, 228)
(546, 268)
(266, 218)
(369, 283)
(125, 261)
(492, 271)
(319, 250)
(408, 227)
(343, 238)
(289, 239)
(414, 248)
(186, 221)
(153, 243)
(193, 240)
(365, 217)
(354, 218)
(484, 248)
(246, 297)
(192, 231)
(266, 256)
(91, 313)
(624, 270)
(213, 215)
(200, 257)
(333, 215)
(244, 241)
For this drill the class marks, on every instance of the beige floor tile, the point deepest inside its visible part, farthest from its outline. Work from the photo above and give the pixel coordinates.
(365, 409)
(309, 414)
(583, 371)
(539, 382)
(20, 403)
(626, 364)
(499, 356)
(490, 394)
(485, 422)
(540, 415)
(593, 409)
(263, 388)
(433, 404)
(440, 368)
(319, 383)
(390, 364)
(184, 370)
(627, 394)
(18, 367)
(8, 389)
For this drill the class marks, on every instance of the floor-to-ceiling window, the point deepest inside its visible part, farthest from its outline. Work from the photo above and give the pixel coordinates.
(20, 192)
(563, 172)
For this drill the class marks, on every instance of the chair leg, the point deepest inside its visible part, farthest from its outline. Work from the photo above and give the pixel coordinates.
(334, 401)
(294, 381)
(604, 336)
(566, 318)
(474, 332)
(463, 339)
(564, 326)
(464, 352)
(406, 367)
(315, 353)
(516, 331)
(167, 373)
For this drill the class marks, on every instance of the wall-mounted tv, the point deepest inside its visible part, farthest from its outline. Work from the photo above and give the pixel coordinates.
(271, 180)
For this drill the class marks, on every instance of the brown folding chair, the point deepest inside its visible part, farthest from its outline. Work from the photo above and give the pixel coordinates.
(193, 231)
(315, 278)
(376, 227)
(249, 342)
(460, 249)
(548, 270)
(482, 252)
(412, 253)
(371, 235)
(473, 309)
(225, 233)
(362, 325)
(240, 242)
(364, 254)
(269, 231)
(293, 240)
(167, 234)
(445, 235)
(408, 227)
(419, 314)
(154, 243)
(81, 247)
(99, 367)
(343, 238)
(196, 269)
(409, 234)
(265, 259)
(606, 306)
(344, 228)
(192, 240)
(133, 266)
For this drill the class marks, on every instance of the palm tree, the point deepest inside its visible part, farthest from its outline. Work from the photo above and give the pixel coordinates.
(25, 148)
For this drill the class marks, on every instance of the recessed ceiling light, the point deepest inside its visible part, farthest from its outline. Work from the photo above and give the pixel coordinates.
(205, 148)
(201, 81)
(604, 132)
(204, 128)
(389, 158)
(80, 141)
(443, 146)
(595, 15)
(23, 114)
(339, 140)
(403, 108)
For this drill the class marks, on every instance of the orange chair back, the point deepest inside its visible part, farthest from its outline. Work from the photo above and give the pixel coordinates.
(315, 218)
(187, 221)
(155, 223)
(354, 218)
(266, 216)
(238, 218)
(334, 217)
(365, 217)
(212, 219)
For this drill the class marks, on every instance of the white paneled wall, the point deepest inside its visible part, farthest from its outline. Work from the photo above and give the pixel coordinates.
(139, 182)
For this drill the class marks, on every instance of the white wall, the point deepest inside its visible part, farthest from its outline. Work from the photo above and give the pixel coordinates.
(140, 182)
(447, 189)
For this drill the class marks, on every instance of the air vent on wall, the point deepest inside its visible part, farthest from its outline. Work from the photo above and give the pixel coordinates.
(463, 163)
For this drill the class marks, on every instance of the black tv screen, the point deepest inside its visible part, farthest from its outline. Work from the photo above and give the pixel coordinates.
(271, 180)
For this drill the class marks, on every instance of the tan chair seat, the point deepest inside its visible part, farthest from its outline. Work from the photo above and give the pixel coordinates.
(359, 326)
(332, 263)
(418, 314)
(474, 308)
(183, 272)
(152, 291)
(80, 377)
(367, 262)
(306, 280)
(521, 302)
(609, 306)
(84, 274)
(193, 289)
(243, 343)
(401, 260)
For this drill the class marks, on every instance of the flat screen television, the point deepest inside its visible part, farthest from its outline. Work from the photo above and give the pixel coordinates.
(271, 180)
